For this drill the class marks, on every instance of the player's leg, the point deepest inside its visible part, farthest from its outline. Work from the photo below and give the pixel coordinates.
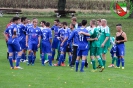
(49, 53)
(84, 57)
(30, 45)
(18, 49)
(104, 51)
(120, 54)
(35, 48)
(74, 56)
(77, 61)
(10, 58)
(92, 56)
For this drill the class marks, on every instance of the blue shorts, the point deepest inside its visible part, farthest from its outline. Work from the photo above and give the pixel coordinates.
(32, 46)
(113, 50)
(82, 52)
(55, 43)
(46, 48)
(15, 47)
(120, 50)
(23, 44)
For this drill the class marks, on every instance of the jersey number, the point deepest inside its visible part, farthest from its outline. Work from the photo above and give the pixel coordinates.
(81, 37)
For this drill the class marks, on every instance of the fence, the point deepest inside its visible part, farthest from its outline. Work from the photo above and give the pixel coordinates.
(71, 4)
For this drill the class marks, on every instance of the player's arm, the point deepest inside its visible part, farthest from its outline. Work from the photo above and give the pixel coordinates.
(14, 33)
(107, 36)
(50, 37)
(71, 37)
(27, 37)
(92, 39)
(84, 33)
(39, 38)
(5, 35)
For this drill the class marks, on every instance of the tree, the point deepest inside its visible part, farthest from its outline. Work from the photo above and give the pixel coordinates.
(61, 5)
(131, 15)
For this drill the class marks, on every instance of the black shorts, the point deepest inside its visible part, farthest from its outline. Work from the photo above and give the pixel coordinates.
(68, 49)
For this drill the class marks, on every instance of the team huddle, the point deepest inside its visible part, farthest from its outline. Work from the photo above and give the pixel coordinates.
(76, 39)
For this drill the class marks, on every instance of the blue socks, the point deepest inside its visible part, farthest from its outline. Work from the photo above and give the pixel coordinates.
(60, 59)
(122, 62)
(50, 60)
(82, 66)
(77, 64)
(29, 59)
(10, 61)
(118, 64)
(42, 57)
(53, 54)
(18, 61)
(70, 59)
(33, 59)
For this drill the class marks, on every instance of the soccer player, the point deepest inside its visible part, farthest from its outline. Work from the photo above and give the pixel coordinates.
(13, 43)
(83, 46)
(62, 36)
(69, 45)
(21, 33)
(33, 41)
(74, 21)
(104, 38)
(43, 26)
(113, 52)
(94, 45)
(120, 50)
(46, 43)
(7, 35)
(55, 42)
(74, 46)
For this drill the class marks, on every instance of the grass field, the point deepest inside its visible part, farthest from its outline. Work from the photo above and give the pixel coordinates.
(65, 77)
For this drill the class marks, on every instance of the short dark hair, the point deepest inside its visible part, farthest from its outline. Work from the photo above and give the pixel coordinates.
(57, 20)
(47, 24)
(15, 19)
(43, 22)
(84, 22)
(119, 25)
(79, 24)
(23, 19)
(99, 20)
(73, 25)
(65, 23)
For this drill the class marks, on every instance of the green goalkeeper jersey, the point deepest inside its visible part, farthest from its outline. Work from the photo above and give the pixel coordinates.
(104, 32)
(95, 34)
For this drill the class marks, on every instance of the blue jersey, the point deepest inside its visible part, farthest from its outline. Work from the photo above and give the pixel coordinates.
(33, 34)
(46, 35)
(63, 34)
(81, 39)
(69, 34)
(9, 31)
(55, 28)
(73, 37)
(28, 26)
(21, 32)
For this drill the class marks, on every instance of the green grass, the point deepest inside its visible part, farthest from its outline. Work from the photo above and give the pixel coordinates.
(64, 77)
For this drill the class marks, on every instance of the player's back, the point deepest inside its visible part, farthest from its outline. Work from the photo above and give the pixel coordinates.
(82, 39)
(46, 35)
(95, 34)
(21, 29)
